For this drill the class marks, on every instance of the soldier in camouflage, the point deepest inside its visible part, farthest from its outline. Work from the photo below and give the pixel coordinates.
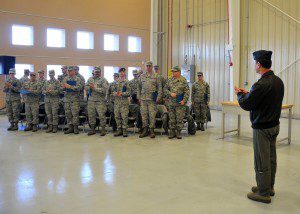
(51, 90)
(200, 99)
(82, 82)
(72, 85)
(149, 94)
(33, 92)
(111, 101)
(25, 78)
(134, 107)
(11, 89)
(41, 81)
(96, 88)
(177, 89)
(121, 92)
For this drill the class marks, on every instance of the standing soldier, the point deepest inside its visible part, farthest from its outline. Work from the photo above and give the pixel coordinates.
(121, 92)
(51, 91)
(12, 99)
(163, 79)
(97, 87)
(25, 78)
(177, 89)
(200, 100)
(33, 93)
(149, 93)
(135, 105)
(64, 70)
(72, 86)
(111, 101)
(82, 82)
(41, 81)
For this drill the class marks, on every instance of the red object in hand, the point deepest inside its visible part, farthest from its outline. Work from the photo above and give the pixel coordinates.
(230, 64)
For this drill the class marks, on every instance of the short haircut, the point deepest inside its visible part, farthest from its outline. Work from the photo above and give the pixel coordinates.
(265, 63)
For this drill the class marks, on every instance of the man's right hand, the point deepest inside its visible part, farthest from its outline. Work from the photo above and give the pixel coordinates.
(173, 95)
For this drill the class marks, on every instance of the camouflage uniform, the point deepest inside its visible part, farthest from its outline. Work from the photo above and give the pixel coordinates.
(51, 91)
(81, 94)
(110, 103)
(71, 99)
(24, 79)
(200, 97)
(13, 102)
(41, 84)
(149, 85)
(121, 104)
(134, 107)
(180, 87)
(32, 103)
(97, 100)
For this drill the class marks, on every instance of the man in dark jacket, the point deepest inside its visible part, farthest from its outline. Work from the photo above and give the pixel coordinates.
(264, 101)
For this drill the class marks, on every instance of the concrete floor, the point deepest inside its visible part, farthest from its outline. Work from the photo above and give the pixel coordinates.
(55, 173)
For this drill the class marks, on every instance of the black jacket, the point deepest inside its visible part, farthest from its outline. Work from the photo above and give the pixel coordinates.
(264, 101)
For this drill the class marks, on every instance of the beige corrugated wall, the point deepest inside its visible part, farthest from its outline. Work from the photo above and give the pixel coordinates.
(262, 27)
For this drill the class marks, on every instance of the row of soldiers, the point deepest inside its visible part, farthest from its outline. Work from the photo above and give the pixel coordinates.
(149, 91)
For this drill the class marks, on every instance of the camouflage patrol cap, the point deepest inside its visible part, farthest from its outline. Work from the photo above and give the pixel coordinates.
(64, 67)
(175, 68)
(97, 69)
(156, 67)
(135, 72)
(116, 74)
(26, 71)
(71, 68)
(32, 74)
(149, 63)
(51, 72)
(12, 71)
(199, 73)
(76, 68)
(41, 71)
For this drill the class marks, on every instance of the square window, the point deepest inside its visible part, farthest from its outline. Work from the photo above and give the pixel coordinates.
(22, 35)
(134, 44)
(85, 40)
(56, 68)
(109, 73)
(20, 69)
(86, 71)
(56, 38)
(111, 42)
(130, 69)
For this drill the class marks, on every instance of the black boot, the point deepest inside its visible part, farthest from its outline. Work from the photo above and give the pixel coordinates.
(172, 134)
(118, 133)
(54, 129)
(15, 127)
(50, 129)
(34, 128)
(144, 132)
(69, 130)
(198, 126)
(152, 134)
(11, 126)
(103, 131)
(28, 128)
(202, 127)
(178, 134)
(76, 130)
(93, 131)
(125, 134)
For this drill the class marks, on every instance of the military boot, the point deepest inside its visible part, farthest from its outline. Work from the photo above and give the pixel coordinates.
(103, 131)
(178, 134)
(125, 134)
(256, 197)
(34, 128)
(118, 133)
(93, 131)
(76, 130)
(255, 190)
(198, 126)
(202, 127)
(11, 126)
(172, 134)
(54, 129)
(69, 130)
(15, 127)
(144, 132)
(28, 128)
(50, 129)
(152, 134)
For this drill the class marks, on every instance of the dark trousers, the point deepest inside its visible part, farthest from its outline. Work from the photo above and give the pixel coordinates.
(264, 145)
